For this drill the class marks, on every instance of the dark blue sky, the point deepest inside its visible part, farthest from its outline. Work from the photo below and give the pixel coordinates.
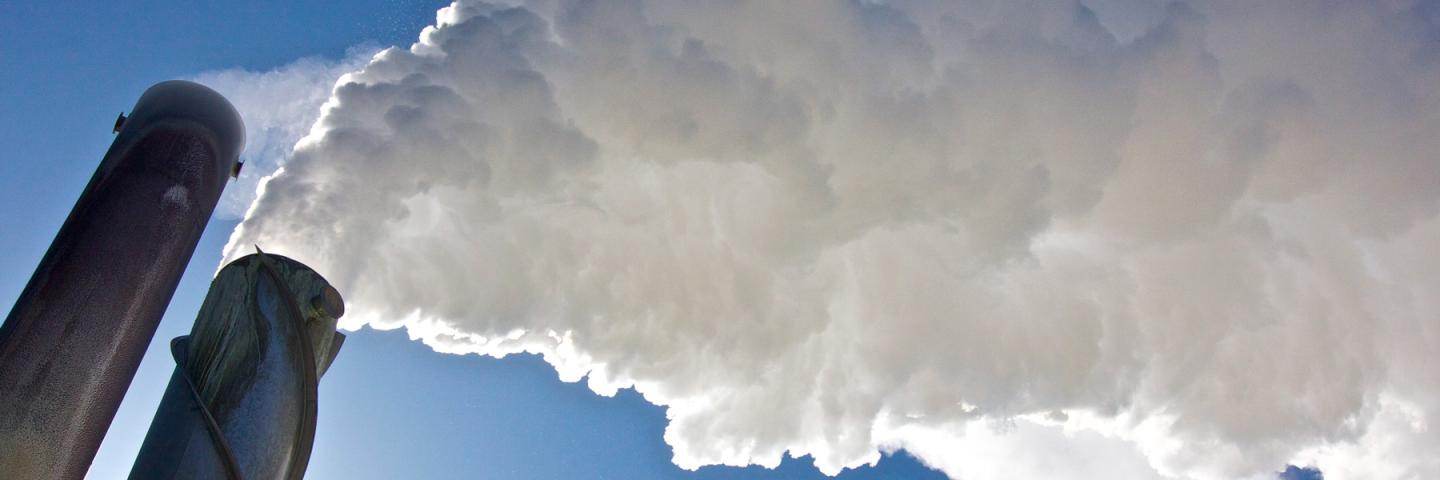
(1296, 473)
(390, 407)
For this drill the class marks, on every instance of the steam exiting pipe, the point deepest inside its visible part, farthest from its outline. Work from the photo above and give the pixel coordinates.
(242, 401)
(71, 344)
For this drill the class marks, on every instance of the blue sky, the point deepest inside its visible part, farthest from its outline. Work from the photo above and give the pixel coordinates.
(390, 407)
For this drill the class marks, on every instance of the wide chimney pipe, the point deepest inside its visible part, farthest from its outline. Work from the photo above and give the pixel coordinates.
(71, 344)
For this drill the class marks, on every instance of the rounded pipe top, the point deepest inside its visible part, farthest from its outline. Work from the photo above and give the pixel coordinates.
(183, 100)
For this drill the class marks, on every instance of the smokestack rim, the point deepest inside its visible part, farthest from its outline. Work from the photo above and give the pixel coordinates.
(186, 100)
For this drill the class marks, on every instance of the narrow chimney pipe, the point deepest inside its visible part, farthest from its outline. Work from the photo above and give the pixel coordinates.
(71, 344)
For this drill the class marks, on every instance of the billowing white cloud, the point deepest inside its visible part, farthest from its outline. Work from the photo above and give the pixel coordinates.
(280, 106)
(1015, 238)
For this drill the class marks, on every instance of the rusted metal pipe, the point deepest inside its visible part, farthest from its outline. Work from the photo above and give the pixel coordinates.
(71, 344)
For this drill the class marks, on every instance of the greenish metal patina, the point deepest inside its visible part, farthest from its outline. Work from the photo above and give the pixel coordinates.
(225, 341)
(242, 401)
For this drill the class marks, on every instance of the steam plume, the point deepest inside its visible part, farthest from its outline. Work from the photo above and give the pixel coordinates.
(1014, 238)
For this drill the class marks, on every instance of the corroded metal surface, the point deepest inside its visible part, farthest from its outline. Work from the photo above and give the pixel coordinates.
(71, 344)
(242, 400)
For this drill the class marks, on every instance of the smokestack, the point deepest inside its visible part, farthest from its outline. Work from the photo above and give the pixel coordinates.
(242, 401)
(71, 344)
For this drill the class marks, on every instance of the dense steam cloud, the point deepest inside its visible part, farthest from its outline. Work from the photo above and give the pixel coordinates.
(1049, 239)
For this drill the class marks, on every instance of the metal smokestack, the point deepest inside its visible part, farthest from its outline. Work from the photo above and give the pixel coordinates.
(243, 399)
(71, 344)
